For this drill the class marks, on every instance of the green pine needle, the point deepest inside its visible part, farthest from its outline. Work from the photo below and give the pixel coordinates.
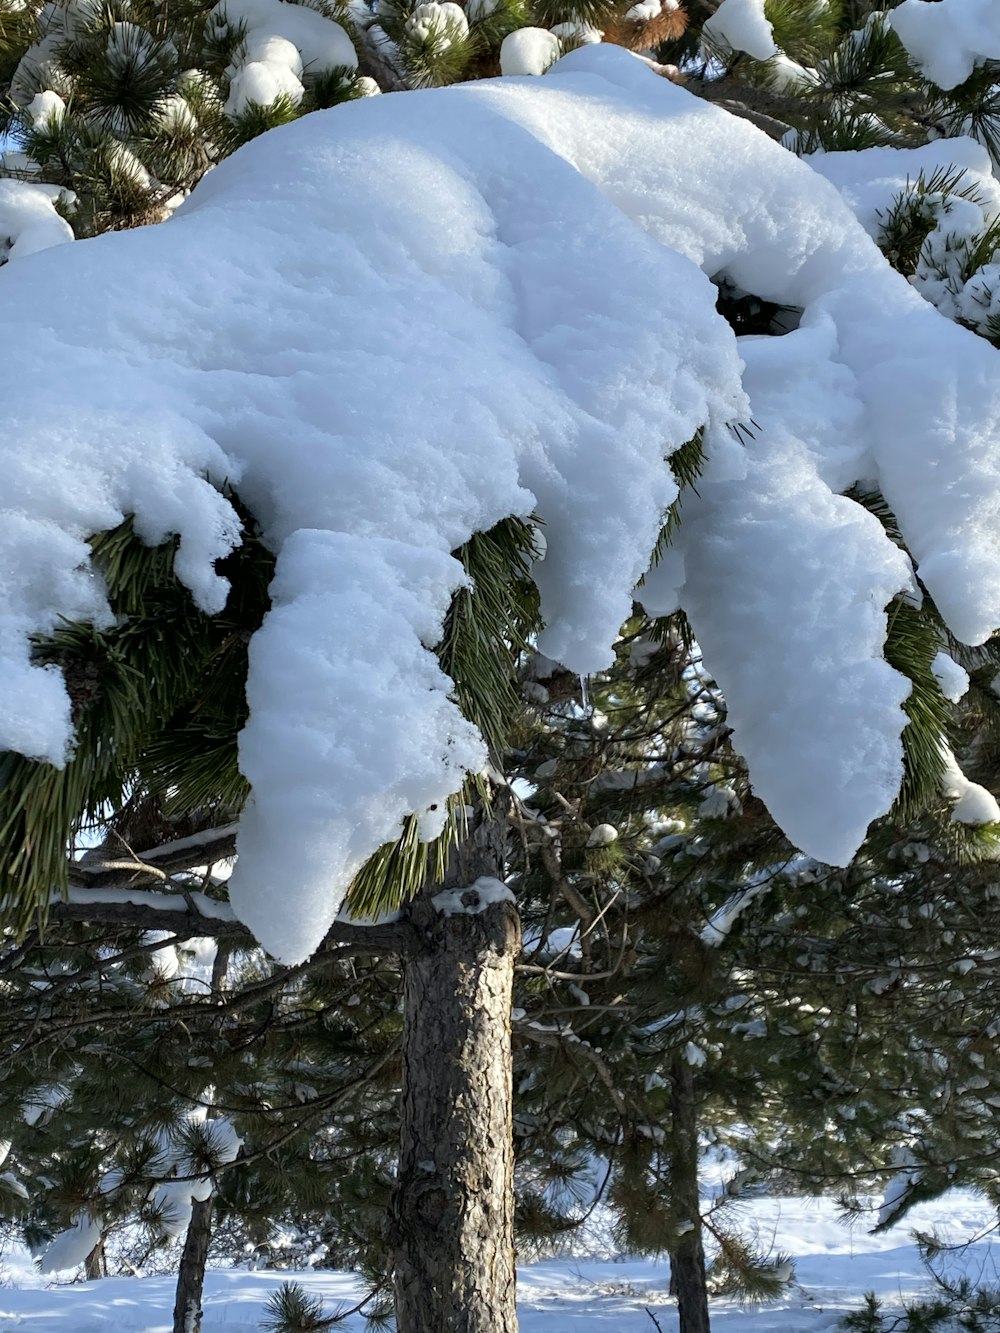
(291, 1309)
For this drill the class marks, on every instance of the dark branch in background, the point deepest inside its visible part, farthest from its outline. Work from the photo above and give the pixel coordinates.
(135, 891)
(155, 911)
(131, 870)
(760, 106)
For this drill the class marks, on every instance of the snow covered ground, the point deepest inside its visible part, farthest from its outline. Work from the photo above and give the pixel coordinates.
(834, 1267)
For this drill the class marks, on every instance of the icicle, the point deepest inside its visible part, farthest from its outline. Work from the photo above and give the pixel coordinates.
(585, 694)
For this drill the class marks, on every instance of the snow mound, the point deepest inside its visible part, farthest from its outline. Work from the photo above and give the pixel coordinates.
(408, 335)
(870, 179)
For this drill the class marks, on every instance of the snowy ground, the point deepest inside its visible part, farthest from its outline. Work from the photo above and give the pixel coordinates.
(834, 1267)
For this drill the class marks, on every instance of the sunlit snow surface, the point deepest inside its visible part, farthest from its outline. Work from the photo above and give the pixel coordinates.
(834, 1268)
(947, 39)
(393, 324)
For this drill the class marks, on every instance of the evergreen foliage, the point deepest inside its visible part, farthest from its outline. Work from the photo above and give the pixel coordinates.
(843, 1019)
(956, 1307)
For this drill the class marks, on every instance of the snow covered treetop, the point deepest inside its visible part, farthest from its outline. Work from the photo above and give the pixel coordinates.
(388, 327)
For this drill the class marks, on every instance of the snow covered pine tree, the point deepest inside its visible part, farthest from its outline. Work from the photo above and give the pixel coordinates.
(254, 397)
(117, 110)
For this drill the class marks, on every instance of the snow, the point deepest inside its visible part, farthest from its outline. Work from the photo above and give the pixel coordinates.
(741, 25)
(282, 40)
(70, 1248)
(973, 803)
(528, 51)
(871, 178)
(474, 899)
(28, 218)
(953, 679)
(442, 23)
(832, 554)
(947, 39)
(602, 836)
(833, 1265)
(173, 1198)
(789, 76)
(647, 10)
(384, 291)
(159, 902)
(46, 108)
(722, 920)
(576, 33)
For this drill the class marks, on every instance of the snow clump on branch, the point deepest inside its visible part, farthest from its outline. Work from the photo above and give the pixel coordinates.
(409, 335)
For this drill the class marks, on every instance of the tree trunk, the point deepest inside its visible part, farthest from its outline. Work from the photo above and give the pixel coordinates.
(687, 1260)
(95, 1265)
(191, 1274)
(453, 1209)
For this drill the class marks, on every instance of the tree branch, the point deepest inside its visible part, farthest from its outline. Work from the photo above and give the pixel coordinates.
(154, 865)
(186, 915)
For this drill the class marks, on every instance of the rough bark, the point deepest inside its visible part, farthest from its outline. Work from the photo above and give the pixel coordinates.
(95, 1265)
(191, 1274)
(194, 1257)
(687, 1259)
(452, 1218)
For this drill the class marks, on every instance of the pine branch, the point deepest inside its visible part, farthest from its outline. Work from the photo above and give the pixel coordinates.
(155, 864)
(187, 915)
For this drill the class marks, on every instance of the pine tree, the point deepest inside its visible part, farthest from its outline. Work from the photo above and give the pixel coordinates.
(147, 726)
(116, 112)
(819, 1022)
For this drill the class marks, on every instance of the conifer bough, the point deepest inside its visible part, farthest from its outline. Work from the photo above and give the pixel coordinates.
(407, 339)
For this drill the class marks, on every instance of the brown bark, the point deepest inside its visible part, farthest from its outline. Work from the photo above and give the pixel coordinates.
(194, 1257)
(95, 1265)
(191, 1274)
(453, 1208)
(687, 1259)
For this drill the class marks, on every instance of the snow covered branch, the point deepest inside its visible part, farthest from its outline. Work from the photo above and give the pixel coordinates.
(573, 390)
(156, 864)
(187, 914)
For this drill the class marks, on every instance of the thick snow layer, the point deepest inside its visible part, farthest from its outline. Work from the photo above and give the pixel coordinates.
(781, 555)
(28, 219)
(873, 179)
(740, 25)
(46, 108)
(442, 23)
(870, 179)
(947, 39)
(528, 51)
(404, 339)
